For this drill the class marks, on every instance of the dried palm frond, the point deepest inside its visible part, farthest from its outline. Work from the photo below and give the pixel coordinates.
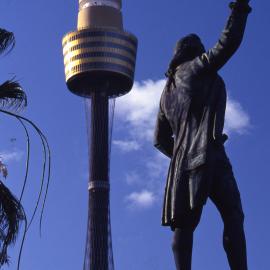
(27, 159)
(46, 148)
(12, 95)
(7, 40)
(11, 215)
(47, 155)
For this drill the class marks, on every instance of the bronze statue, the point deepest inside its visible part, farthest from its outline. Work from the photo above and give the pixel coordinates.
(189, 130)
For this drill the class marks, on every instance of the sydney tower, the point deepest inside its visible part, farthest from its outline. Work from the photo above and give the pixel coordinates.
(99, 63)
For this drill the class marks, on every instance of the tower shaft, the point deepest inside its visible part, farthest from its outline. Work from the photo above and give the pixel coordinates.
(99, 134)
(98, 242)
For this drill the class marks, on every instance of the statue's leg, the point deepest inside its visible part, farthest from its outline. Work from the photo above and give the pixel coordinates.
(226, 197)
(183, 240)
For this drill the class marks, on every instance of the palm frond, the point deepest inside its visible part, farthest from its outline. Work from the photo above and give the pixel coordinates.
(12, 95)
(47, 155)
(7, 40)
(11, 215)
(27, 159)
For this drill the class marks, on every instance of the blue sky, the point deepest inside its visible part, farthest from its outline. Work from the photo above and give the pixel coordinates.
(137, 171)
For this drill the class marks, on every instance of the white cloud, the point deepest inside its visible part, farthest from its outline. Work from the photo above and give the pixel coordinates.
(236, 119)
(127, 146)
(8, 156)
(133, 178)
(139, 108)
(143, 199)
(157, 165)
(151, 178)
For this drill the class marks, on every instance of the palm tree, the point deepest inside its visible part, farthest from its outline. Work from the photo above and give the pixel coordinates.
(12, 214)
(12, 97)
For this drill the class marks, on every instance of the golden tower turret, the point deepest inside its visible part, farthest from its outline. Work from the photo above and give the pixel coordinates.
(100, 55)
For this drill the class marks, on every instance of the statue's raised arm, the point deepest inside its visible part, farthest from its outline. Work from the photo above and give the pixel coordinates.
(230, 39)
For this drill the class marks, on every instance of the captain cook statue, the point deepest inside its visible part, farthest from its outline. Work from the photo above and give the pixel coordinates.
(189, 130)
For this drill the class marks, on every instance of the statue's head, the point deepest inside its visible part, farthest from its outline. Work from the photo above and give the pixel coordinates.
(188, 47)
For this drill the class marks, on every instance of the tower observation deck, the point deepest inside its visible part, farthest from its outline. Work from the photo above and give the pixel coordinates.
(100, 49)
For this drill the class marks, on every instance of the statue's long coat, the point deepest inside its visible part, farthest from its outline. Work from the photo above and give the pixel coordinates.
(191, 115)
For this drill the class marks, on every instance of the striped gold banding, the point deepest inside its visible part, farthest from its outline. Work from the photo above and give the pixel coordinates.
(99, 67)
(73, 44)
(69, 57)
(99, 49)
(99, 32)
(96, 60)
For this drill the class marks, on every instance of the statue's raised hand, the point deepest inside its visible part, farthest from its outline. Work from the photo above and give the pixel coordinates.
(242, 1)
